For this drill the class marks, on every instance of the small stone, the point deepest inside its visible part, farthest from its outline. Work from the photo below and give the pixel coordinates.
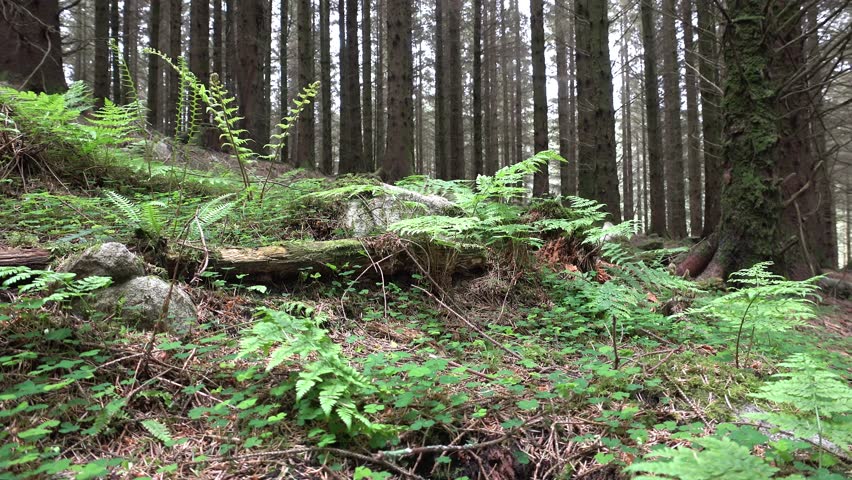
(111, 259)
(364, 217)
(139, 302)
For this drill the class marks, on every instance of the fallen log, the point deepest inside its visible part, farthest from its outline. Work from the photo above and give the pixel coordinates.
(698, 257)
(28, 257)
(836, 287)
(289, 259)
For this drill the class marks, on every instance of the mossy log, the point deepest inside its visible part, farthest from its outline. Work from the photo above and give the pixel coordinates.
(698, 257)
(28, 257)
(288, 259)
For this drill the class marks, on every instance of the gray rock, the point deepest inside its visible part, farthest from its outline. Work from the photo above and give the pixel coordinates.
(363, 217)
(161, 151)
(112, 260)
(139, 302)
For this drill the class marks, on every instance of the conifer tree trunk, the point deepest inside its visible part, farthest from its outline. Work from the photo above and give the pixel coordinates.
(216, 39)
(626, 122)
(541, 179)
(399, 154)
(711, 121)
(560, 17)
(505, 67)
(171, 110)
(572, 166)
(440, 102)
(596, 130)
(490, 134)
(199, 39)
(231, 48)
(251, 16)
(352, 151)
(101, 86)
(153, 98)
(656, 166)
(367, 84)
(518, 145)
(31, 45)
(304, 154)
(673, 147)
(692, 124)
(380, 80)
(114, 29)
(326, 161)
(130, 34)
(344, 128)
(455, 101)
(419, 132)
(477, 89)
(284, 81)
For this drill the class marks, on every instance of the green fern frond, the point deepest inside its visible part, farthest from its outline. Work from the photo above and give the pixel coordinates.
(158, 431)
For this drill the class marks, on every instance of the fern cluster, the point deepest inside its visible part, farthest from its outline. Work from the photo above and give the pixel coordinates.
(62, 285)
(326, 385)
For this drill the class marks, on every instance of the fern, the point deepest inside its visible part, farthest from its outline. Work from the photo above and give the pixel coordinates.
(159, 431)
(219, 105)
(821, 401)
(719, 458)
(64, 286)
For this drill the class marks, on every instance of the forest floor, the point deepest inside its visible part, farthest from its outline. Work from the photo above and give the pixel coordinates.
(555, 362)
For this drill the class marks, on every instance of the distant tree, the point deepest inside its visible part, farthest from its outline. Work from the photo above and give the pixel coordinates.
(304, 154)
(626, 120)
(153, 98)
(367, 84)
(490, 89)
(673, 146)
(454, 155)
(174, 51)
(561, 20)
(31, 52)
(115, 28)
(596, 127)
(441, 163)
(216, 39)
(541, 179)
(284, 73)
(251, 19)
(399, 154)
(101, 86)
(477, 89)
(326, 160)
(199, 39)
(656, 167)
(130, 38)
(692, 123)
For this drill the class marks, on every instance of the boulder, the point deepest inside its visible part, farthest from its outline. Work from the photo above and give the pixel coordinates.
(112, 260)
(365, 216)
(139, 302)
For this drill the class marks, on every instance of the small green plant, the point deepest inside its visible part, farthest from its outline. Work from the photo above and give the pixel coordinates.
(63, 286)
(771, 303)
(718, 458)
(817, 401)
(326, 385)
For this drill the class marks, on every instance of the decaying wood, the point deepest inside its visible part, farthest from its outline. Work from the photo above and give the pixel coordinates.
(699, 257)
(27, 257)
(288, 259)
(836, 287)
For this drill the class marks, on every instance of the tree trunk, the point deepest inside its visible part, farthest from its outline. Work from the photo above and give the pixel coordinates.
(326, 161)
(101, 86)
(352, 154)
(476, 155)
(518, 145)
(541, 179)
(171, 110)
(153, 99)
(251, 17)
(345, 130)
(399, 154)
(656, 168)
(711, 122)
(27, 257)
(490, 133)
(216, 40)
(692, 124)
(115, 28)
(304, 154)
(31, 53)
(674, 140)
(231, 48)
(366, 70)
(441, 162)
(380, 80)
(455, 101)
(131, 42)
(599, 175)
(626, 126)
(284, 80)
(560, 17)
(199, 39)
(505, 67)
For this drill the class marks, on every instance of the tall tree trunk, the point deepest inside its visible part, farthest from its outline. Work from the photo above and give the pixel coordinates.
(153, 98)
(284, 74)
(560, 18)
(266, 45)
(419, 159)
(230, 48)
(656, 167)
(626, 121)
(573, 167)
(711, 121)
(441, 163)
(199, 39)
(250, 75)
(518, 153)
(114, 29)
(101, 86)
(380, 80)
(130, 34)
(352, 151)
(541, 179)
(345, 130)
(171, 111)
(399, 154)
(367, 84)
(326, 161)
(692, 123)
(491, 137)
(674, 140)
(455, 101)
(477, 89)
(216, 39)
(599, 171)
(304, 154)
(505, 67)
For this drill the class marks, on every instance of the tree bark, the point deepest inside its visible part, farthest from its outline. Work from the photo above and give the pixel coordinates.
(367, 85)
(115, 28)
(31, 53)
(560, 17)
(27, 257)
(101, 86)
(692, 123)
(154, 77)
(476, 155)
(216, 39)
(251, 18)
(284, 80)
(673, 147)
(326, 160)
(541, 179)
(491, 138)
(130, 33)
(380, 79)
(711, 122)
(304, 154)
(518, 144)
(598, 171)
(399, 154)
(455, 101)
(656, 167)
(626, 123)
(441, 162)
(352, 152)
(171, 110)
